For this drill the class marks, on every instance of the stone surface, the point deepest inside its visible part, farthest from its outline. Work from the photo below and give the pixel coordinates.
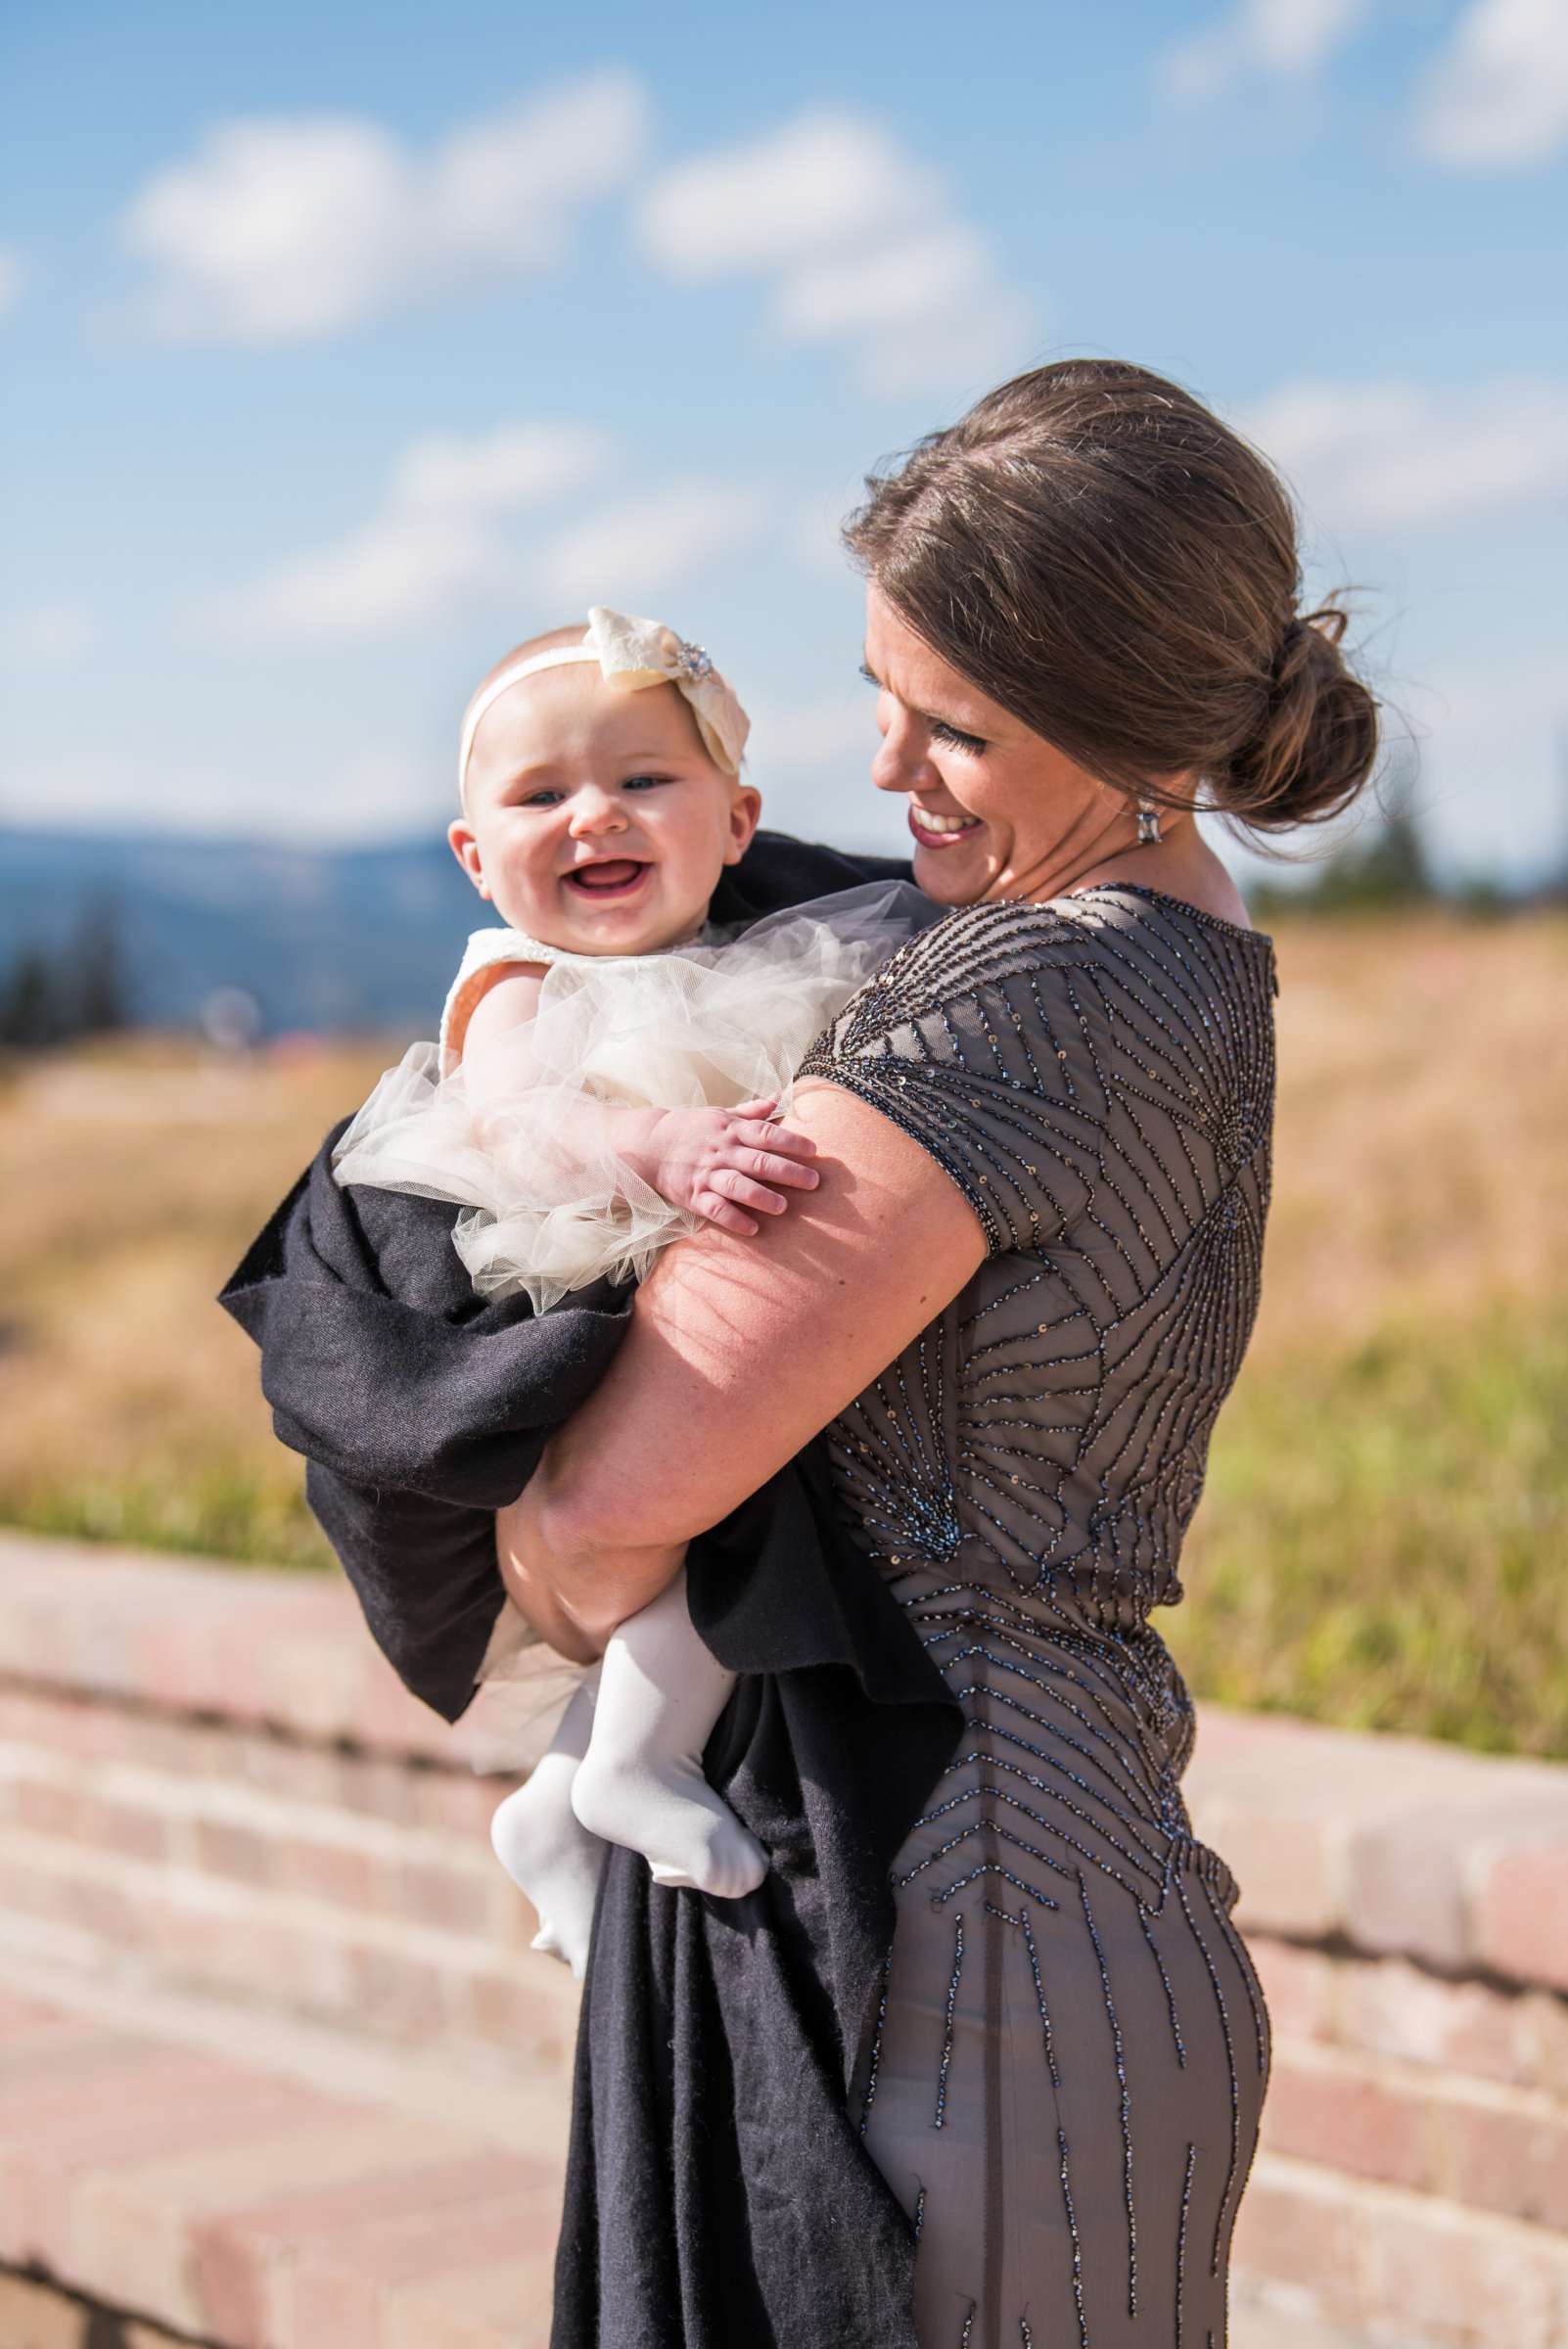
(256, 1956)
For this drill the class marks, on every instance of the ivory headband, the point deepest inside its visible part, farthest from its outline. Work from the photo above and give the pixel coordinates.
(631, 655)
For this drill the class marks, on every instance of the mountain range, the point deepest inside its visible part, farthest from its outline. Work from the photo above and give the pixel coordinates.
(321, 938)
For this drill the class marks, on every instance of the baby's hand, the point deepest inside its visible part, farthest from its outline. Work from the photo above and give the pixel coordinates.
(719, 1162)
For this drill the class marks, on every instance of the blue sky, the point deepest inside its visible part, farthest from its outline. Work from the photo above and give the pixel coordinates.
(344, 347)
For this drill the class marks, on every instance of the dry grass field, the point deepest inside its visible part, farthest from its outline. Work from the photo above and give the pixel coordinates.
(1385, 1536)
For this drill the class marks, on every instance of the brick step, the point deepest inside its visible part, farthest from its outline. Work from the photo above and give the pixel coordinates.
(277, 1841)
(313, 1956)
(218, 2198)
(250, 2205)
(1474, 2142)
(1401, 2267)
(41, 2316)
(1389, 2007)
(438, 1790)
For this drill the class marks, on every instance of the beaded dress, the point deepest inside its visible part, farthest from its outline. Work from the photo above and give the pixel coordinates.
(1064, 2081)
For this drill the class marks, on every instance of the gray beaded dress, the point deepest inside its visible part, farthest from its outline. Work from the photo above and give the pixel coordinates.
(1064, 2083)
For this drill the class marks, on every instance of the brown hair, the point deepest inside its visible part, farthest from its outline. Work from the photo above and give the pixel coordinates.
(1102, 557)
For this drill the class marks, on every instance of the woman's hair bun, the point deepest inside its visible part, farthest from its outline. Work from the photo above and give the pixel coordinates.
(1120, 570)
(1315, 741)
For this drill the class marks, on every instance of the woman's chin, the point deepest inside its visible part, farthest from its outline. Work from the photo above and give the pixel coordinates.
(950, 876)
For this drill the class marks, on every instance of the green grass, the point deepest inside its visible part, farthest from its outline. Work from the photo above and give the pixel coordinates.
(1384, 1540)
(218, 1513)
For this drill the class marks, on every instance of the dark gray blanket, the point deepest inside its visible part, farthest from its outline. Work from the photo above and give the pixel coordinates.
(717, 2191)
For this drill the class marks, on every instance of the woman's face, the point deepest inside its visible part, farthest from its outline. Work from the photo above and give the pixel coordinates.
(995, 811)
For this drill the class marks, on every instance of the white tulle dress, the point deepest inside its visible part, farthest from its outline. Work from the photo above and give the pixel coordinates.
(551, 1206)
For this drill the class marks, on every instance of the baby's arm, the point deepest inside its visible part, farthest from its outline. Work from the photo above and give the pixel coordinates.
(716, 1162)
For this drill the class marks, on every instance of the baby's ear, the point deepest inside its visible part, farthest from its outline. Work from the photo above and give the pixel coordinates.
(465, 848)
(745, 814)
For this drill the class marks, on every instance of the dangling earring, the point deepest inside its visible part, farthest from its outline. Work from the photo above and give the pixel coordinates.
(1148, 824)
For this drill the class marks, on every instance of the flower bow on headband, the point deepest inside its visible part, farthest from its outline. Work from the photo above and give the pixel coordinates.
(633, 654)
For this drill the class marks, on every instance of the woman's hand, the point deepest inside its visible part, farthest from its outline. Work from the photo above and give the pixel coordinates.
(570, 1596)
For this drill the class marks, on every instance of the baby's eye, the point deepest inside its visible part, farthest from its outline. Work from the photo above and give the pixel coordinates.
(646, 782)
(973, 744)
(540, 798)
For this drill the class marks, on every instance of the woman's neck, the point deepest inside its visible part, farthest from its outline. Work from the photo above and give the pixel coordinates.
(1179, 864)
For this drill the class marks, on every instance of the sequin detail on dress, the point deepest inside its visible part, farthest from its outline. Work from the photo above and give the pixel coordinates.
(1064, 2075)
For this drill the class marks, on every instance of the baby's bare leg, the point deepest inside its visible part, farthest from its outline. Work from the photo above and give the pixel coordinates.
(641, 1783)
(544, 1846)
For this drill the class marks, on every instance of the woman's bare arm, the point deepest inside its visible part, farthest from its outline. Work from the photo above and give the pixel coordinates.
(738, 1352)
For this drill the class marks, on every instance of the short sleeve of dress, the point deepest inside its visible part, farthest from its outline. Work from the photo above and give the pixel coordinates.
(977, 1038)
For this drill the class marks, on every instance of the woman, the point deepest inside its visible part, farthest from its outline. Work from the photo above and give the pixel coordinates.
(1018, 1301)
(982, 2060)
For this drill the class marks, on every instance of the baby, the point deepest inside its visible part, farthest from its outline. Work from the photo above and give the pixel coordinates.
(606, 1079)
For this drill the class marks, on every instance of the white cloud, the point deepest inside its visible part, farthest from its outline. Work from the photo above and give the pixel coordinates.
(1287, 38)
(441, 536)
(1497, 97)
(48, 637)
(638, 548)
(371, 794)
(1490, 737)
(861, 246)
(12, 278)
(281, 228)
(1397, 456)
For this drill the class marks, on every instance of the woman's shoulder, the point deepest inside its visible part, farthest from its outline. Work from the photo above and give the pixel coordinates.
(1015, 941)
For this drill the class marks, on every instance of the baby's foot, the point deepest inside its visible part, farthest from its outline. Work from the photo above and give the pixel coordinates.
(545, 1849)
(667, 1811)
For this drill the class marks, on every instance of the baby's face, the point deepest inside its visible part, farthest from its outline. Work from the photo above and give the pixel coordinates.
(596, 820)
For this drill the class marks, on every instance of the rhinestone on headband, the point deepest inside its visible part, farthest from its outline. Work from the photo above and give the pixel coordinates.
(694, 661)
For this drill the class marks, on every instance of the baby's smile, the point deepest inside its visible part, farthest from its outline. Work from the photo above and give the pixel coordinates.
(616, 877)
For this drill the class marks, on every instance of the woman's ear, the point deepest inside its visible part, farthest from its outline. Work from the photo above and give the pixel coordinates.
(745, 814)
(465, 848)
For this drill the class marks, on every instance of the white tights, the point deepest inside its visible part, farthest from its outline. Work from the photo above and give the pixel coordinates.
(625, 1767)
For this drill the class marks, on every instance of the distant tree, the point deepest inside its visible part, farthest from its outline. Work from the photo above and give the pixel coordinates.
(1382, 867)
(101, 983)
(52, 995)
(33, 1011)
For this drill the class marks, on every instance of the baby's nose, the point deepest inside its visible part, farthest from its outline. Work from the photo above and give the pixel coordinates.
(597, 811)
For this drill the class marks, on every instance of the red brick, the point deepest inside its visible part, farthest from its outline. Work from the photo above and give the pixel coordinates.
(341, 2285)
(1392, 2008)
(1347, 2119)
(135, 1830)
(229, 1849)
(1450, 2278)
(395, 1990)
(1522, 1927)
(341, 1874)
(1543, 2025)
(506, 2306)
(132, 2224)
(1509, 2155)
(457, 1899)
(241, 2254)
(1300, 1985)
(1296, 2229)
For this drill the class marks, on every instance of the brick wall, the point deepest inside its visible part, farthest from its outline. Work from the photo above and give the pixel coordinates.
(210, 1782)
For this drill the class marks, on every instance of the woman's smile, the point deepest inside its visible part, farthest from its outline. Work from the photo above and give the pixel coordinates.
(934, 831)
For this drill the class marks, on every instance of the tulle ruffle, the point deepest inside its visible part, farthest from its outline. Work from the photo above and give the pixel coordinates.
(551, 1206)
